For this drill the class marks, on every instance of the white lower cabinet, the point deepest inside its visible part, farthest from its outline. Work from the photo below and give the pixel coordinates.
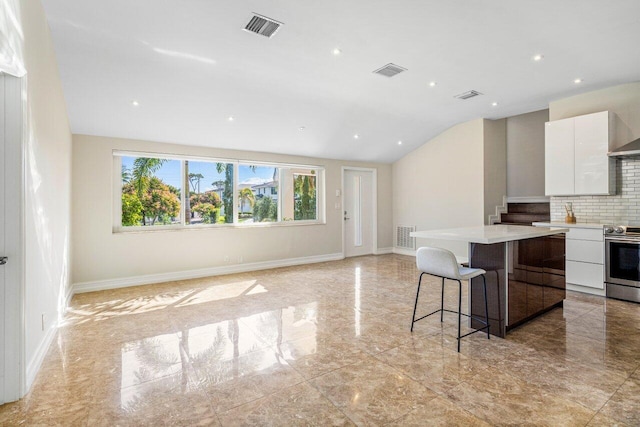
(584, 252)
(585, 274)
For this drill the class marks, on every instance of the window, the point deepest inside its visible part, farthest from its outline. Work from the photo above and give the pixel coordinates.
(210, 192)
(256, 196)
(304, 196)
(150, 193)
(156, 190)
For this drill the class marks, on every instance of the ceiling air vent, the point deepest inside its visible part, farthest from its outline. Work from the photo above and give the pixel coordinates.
(262, 25)
(390, 70)
(468, 95)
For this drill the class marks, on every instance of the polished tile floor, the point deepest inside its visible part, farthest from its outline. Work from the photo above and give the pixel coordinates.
(328, 344)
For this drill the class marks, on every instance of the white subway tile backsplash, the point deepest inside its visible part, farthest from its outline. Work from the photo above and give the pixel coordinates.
(623, 207)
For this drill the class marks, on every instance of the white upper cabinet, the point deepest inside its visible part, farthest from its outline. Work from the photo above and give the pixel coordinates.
(576, 161)
(559, 154)
(593, 166)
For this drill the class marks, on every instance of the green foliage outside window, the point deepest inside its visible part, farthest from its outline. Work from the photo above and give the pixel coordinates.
(304, 197)
(149, 201)
(208, 212)
(265, 210)
(131, 210)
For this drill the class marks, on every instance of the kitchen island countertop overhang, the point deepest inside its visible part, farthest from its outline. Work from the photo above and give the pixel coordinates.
(489, 234)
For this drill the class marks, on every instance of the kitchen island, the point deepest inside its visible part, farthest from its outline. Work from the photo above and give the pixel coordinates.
(525, 270)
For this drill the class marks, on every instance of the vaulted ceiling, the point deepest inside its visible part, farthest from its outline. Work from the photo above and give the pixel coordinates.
(190, 67)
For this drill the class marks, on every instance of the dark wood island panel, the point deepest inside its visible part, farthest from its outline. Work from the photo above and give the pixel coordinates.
(525, 278)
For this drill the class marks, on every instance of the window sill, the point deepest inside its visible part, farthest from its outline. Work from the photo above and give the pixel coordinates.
(200, 227)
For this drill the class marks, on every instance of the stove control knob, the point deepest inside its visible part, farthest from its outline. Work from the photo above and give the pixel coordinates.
(608, 230)
(619, 230)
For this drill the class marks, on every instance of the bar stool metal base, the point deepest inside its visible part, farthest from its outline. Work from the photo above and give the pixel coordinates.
(484, 321)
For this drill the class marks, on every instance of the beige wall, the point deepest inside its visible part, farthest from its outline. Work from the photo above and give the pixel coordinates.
(101, 255)
(441, 184)
(525, 154)
(495, 165)
(48, 181)
(624, 100)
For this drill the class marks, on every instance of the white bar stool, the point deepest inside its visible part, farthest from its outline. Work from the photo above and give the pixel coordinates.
(442, 263)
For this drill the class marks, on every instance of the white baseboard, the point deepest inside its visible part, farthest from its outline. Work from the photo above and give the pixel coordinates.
(402, 251)
(101, 285)
(68, 296)
(383, 251)
(33, 365)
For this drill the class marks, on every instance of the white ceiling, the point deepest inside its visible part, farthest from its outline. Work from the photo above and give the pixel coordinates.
(190, 66)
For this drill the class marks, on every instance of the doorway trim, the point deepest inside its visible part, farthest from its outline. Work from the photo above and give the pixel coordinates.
(15, 131)
(374, 202)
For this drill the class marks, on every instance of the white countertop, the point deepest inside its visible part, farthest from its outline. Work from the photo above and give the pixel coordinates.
(564, 224)
(489, 233)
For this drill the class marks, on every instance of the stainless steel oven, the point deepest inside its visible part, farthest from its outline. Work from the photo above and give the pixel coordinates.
(622, 252)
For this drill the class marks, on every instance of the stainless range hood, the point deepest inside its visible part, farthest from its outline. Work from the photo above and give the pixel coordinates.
(631, 149)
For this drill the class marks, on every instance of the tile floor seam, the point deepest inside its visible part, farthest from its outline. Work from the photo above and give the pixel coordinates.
(486, 420)
(590, 409)
(261, 397)
(308, 382)
(613, 394)
(438, 396)
(508, 374)
(575, 359)
(401, 372)
(324, 373)
(231, 408)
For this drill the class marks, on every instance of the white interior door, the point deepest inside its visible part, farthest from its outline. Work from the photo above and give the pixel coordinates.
(2, 238)
(359, 208)
(11, 237)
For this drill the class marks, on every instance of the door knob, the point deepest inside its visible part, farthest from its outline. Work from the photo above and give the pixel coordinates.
(3, 260)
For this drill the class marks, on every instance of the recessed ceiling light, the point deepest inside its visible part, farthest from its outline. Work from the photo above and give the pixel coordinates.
(432, 84)
(538, 58)
(135, 103)
(356, 136)
(301, 128)
(494, 104)
(399, 142)
(577, 81)
(230, 118)
(336, 51)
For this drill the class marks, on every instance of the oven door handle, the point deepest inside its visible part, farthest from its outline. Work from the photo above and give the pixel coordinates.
(622, 240)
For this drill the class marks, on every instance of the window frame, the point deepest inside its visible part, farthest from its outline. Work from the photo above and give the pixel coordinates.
(118, 228)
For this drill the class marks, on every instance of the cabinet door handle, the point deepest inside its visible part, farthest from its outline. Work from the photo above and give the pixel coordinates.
(3, 260)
